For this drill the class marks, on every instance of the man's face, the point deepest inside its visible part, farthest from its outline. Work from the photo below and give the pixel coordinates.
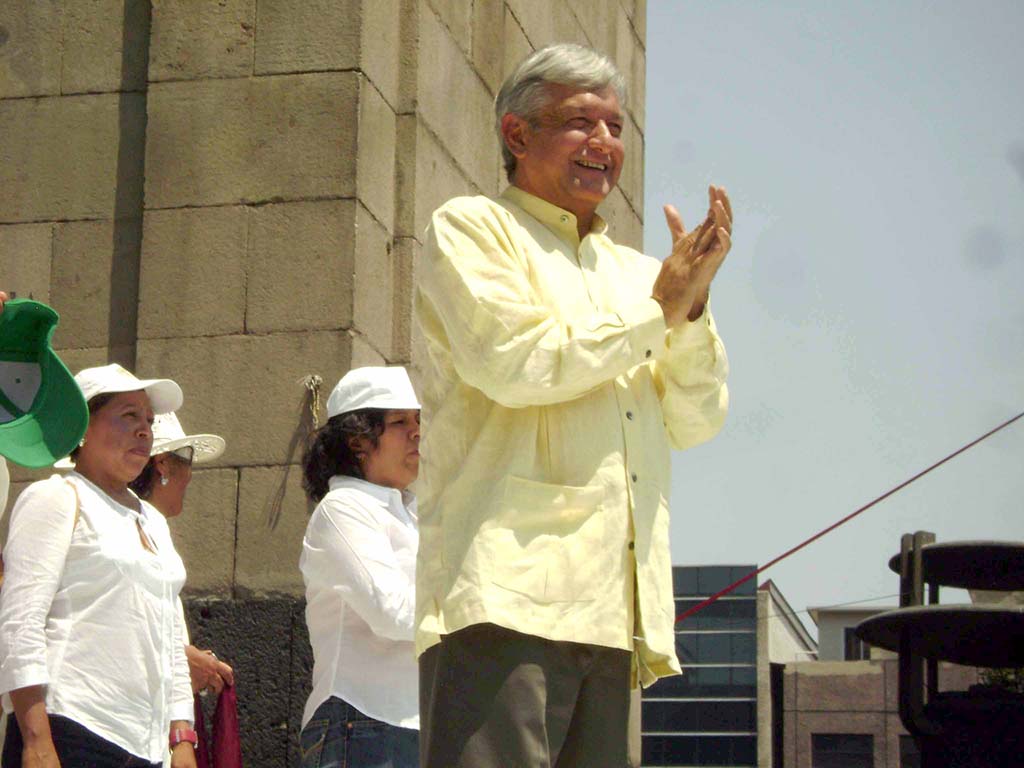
(572, 154)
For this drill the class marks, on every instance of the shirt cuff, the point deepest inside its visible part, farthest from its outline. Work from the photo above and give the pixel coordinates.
(646, 322)
(183, 710)
(692, 334)
(24, 676)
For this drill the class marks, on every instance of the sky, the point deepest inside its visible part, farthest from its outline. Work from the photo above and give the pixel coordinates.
(872, 304)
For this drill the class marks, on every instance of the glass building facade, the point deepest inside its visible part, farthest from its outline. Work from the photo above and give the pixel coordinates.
(707, 716)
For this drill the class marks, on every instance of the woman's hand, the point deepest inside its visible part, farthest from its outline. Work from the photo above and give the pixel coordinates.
(207, 671)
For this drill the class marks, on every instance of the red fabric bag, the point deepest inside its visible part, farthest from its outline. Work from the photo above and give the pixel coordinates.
(227, 745)
(202, 748)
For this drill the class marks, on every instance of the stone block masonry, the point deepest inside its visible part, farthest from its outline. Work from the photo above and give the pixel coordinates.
(234, 194)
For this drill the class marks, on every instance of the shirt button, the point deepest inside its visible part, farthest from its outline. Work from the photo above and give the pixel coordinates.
(647, 353)
(563, 218)
(629, 415)
(631, 545)
(633, 476)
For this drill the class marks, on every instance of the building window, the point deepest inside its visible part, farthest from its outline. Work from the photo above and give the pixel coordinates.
(855, 649)
(910, 757)
(732, 751)
(842, 750)
(699, 716)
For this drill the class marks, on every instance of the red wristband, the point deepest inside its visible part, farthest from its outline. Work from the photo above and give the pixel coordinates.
(179, 735)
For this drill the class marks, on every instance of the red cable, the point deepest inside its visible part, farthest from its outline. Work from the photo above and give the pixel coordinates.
(692, 610)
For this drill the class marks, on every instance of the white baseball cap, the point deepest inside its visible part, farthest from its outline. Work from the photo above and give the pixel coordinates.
(164, 395)
(372, 387)
(168, 436)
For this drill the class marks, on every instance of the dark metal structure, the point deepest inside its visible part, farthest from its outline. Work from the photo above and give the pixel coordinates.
(983, 726)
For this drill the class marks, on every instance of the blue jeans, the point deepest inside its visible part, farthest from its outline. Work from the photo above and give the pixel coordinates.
(340, 736)
(76, 746)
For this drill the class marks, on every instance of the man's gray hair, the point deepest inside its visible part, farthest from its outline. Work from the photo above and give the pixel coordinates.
(525, 91)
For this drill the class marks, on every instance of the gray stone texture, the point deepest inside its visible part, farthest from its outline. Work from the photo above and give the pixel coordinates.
(94, 275)
(60, 157)
(204, 533)
(30, 63)
(375, 153)
(273, 513)
(429, 170)
(234, 194)
(267, 644)
(248, 387)
(27, 251)
(105, 46)
(193, 41)
(286, 137)
(193, 272)
(316, 241)
(375, 285)
(468, 136)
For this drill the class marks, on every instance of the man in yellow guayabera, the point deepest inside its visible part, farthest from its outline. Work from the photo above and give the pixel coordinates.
(563, 367)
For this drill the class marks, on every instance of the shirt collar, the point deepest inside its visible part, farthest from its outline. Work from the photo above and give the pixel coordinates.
(558, 220)
(142, 512)
(394, 499)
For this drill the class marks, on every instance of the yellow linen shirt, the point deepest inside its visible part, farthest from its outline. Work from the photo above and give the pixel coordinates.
(553, 395)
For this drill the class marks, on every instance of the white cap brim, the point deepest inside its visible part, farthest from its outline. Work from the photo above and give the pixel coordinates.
(164, 395)
(204, 447)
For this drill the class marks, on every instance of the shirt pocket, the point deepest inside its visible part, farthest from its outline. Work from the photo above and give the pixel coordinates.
(545, 540)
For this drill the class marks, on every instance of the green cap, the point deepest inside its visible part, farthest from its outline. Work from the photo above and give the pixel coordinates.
(43, 414)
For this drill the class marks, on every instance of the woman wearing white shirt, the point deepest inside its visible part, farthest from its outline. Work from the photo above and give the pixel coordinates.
(163, 484)
(91, 654)
(359, 566)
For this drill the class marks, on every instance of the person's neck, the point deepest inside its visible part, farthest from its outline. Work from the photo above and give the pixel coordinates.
(114, 488)
(162, 503)
(584, 214)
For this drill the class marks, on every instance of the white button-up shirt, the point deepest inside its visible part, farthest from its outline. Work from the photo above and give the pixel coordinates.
(359, 565)
(89, 613)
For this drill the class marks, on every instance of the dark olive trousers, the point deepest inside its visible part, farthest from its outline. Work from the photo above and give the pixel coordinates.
(494, 698)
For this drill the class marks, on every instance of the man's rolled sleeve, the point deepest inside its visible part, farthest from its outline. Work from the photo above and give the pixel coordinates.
(691, 380)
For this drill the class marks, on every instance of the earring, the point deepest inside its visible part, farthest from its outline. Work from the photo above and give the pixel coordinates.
(164, 480)
(81, 442)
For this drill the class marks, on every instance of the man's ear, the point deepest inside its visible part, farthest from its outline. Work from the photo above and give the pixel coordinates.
(515, 131)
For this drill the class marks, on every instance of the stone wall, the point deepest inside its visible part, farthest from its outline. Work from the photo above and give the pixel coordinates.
(233, 194)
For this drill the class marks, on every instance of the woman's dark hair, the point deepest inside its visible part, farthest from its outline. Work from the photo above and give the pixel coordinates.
(143, 484)
(95, 403)
(328, 452)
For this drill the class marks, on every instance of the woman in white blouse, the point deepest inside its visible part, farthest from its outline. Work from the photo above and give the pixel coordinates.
(163, 484)
(91, 653)
(359, 566)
